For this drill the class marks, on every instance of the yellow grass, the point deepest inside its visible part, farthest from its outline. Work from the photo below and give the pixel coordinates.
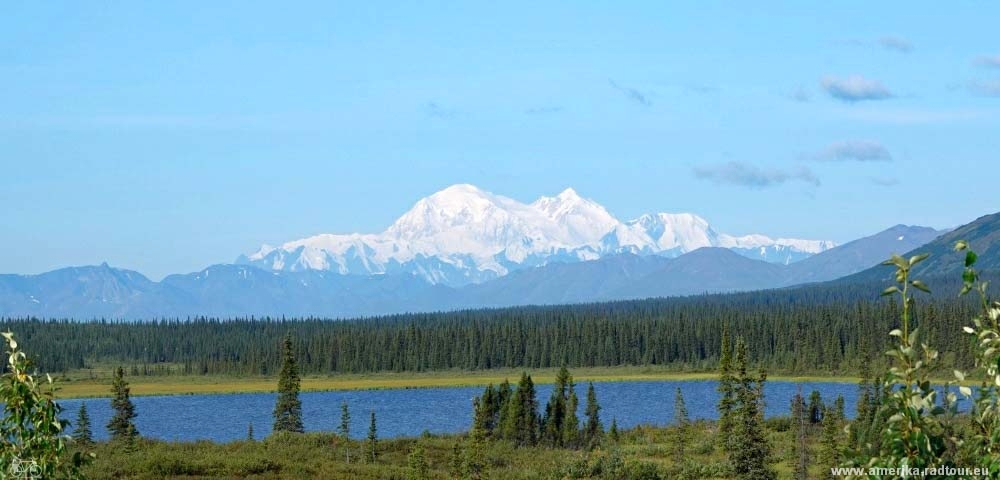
(82, 387)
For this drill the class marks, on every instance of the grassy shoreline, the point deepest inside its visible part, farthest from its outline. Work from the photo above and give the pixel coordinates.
(83, 387)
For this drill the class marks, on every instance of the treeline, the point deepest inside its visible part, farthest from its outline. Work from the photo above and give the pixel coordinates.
(815, 329)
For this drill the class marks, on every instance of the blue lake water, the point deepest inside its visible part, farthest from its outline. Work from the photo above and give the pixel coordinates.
(409, 412)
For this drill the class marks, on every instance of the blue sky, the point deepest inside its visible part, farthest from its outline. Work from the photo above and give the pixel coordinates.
(167, 136)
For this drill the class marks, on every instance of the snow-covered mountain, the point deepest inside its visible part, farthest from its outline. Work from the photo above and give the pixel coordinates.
(464, 235)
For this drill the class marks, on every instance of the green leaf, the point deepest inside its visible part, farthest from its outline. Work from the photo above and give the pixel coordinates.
(961, 245)
(965, 391)
(890, 291)
(896, 333)
(920, 286)
(970, 258)
(959, 375)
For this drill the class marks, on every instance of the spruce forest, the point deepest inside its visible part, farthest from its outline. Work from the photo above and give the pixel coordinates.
(824, 329)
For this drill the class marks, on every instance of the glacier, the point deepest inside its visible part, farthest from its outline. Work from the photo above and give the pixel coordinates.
(463, 235)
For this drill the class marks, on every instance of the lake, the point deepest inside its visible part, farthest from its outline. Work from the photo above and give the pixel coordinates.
(409, 412)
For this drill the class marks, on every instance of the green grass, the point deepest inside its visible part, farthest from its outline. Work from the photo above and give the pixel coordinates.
(97, 383)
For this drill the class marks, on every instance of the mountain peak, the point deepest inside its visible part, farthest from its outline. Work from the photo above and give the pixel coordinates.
(463, 234)
(569, 194)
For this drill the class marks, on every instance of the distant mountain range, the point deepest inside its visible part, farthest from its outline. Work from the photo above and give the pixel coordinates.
(247, 290)
(983, 235)
(464, 235)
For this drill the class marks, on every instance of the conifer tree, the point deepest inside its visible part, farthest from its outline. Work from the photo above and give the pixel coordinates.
(749, 453)
(372, 440)
(682, 424)
(82, 434)
(555, 410)
(521, 423)
(250, 432)
(593, 430)
(613, 431)
(288, 408)
(727, 392)
(571, 426)
(474, 456)
(345, 430)
(800, 447)
(830, 455)
(816, 408)
(345, 421)
(121, 426)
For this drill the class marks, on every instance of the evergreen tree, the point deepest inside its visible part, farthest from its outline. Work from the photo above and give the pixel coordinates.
(682, 424)
(571, 426)
(613, 431)
(800, 452)
(749, 453)
(345, 430)
(521, 423)
(503, 395)
(830, 455)
(594, 430)
(345, 421)
(288, 408)
(250, 432)
(816, 408)
(555, 410)
(121, 426)
(475, 462)
(491, 409)
(372, 440)
(727, 392)
(82, 434)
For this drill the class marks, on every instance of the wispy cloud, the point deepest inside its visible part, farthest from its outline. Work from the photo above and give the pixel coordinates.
(987, 88)
(898, 44)
(988, 61)
(855, 150)
(800, 95)
(544, 110)
(854, 88)
(632, 94)
(436, 110)
(884, 181)
(747, 175)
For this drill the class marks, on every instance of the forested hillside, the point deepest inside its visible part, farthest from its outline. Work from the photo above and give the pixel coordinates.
(817, 329)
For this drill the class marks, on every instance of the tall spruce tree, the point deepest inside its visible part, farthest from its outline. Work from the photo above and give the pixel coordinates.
(816, 408)
(594, 430)
(345, 430)
(683, 426)
(121, 426)
(830, 453)
(82, 434)
(749, 453)
(571, 425)
(250, 432)
(727, 392)
(555, 410)
(521, 422)
(800, 447)
(288, 408)
(372, 440)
